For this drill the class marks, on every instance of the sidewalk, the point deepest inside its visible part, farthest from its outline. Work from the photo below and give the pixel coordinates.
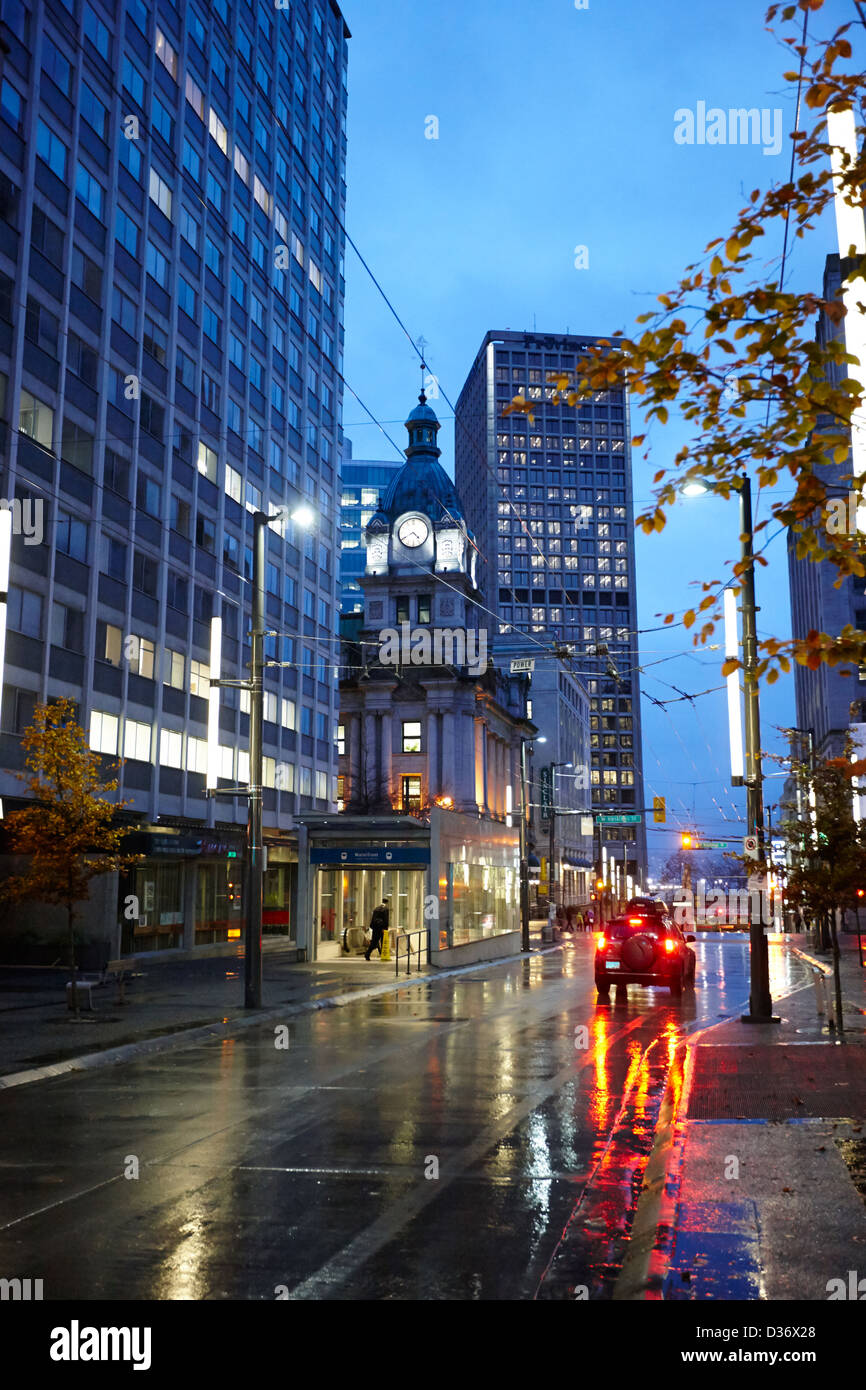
(175, 1002)
(756, 1186)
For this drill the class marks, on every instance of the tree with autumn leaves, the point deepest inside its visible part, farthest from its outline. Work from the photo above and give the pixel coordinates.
(736, 353)
(826, 845)
(826, 850)
(67, 833)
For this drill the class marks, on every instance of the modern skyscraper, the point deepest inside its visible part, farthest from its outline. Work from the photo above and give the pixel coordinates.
(550, 503)
(363, 482)
(171, 305)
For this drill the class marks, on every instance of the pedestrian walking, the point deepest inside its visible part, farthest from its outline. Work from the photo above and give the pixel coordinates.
(378, 927)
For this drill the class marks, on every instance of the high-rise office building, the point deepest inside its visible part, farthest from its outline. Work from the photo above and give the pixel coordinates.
(171, 306)
(363, 483)
(550, 503)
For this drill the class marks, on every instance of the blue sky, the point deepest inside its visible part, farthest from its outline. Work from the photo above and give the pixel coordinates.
(556, 129)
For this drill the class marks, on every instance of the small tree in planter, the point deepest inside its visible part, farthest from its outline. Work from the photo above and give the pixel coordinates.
(67, 833)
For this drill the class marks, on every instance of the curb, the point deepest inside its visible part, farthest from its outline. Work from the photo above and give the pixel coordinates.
(646, 1261)
(208, 1032)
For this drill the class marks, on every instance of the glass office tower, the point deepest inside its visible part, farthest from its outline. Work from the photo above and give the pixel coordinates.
(171, 323)
(550, 503)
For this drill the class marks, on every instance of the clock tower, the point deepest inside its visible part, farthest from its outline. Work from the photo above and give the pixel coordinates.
(420, 527)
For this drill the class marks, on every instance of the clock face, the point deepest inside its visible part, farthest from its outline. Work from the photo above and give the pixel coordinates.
(413, 532)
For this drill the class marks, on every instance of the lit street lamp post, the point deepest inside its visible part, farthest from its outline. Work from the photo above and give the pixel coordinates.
(524, 848)
(256, 853)
(551, 855)
(760, 1002)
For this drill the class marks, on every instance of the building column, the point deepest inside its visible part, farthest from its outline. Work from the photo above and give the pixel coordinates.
(478, 762)
(433, 785)
(369, 762)
(301, 906)
(486, 767)
(386, 791)
(448, 784)
(354, 755)
(499, 777)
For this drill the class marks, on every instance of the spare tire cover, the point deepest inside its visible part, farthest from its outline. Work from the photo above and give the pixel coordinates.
(638, 952)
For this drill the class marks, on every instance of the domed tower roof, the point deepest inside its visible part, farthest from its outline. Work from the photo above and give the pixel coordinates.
(422, 485)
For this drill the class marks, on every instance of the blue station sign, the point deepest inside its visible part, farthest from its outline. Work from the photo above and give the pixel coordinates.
(373, 854)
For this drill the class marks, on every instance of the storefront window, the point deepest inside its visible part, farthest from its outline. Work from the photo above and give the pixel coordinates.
(219, 902)
(159, 925)
(484, 901)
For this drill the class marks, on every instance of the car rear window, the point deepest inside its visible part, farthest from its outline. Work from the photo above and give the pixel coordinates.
(623, 927)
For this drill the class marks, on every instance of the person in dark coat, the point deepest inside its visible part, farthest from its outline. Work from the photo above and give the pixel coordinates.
(378, 926)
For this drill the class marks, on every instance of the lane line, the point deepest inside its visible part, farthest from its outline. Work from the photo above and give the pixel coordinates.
(342, 1266)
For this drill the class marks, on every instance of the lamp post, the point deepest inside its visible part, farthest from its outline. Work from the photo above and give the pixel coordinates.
(524, 850)
(524, 860)
(760, 1002)
(256, 854)
(551, 854)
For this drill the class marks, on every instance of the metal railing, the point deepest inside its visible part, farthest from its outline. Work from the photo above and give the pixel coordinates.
(423, 942)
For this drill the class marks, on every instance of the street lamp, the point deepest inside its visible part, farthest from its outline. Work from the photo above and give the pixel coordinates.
(524, 852)
(760, 1002)
(302, 514)
(551, 855)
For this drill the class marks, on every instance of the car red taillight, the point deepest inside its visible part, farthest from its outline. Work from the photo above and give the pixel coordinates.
(601, 943)
(670, 945)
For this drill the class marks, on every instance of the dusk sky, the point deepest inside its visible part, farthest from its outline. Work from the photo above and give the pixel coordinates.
(556, 130)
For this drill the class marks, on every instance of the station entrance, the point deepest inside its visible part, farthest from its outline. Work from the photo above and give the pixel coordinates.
(345, 898)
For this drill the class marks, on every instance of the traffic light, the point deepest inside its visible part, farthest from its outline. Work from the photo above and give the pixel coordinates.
(599, 884)
(687, 841)
(659, 811)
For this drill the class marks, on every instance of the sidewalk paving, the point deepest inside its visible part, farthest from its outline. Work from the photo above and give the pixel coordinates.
(756, 1186)
(175, 1002)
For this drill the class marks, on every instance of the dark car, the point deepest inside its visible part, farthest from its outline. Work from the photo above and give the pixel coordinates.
(644, 948)
(639, 907)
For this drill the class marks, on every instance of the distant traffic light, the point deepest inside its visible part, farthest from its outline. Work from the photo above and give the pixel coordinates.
(687, 841)
(599, 884)
(659, 811)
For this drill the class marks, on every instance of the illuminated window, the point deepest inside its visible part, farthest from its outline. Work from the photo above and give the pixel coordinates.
(207, 462)
(165, 53)
(218, 130)
(196, 755)
(160, 193)
(113, 644)
(141, 656)
(170, 748)
(173, 669)
(103, 732)
(411, 795)
(199, 678)
(233, 483)
(411, 736)
(136, 740)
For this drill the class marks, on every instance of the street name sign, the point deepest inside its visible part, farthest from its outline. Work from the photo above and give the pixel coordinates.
(619, 820)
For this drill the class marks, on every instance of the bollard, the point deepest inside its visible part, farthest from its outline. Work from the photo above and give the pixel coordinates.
(818, 981)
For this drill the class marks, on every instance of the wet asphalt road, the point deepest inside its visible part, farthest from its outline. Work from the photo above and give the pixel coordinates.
(311, 1171)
